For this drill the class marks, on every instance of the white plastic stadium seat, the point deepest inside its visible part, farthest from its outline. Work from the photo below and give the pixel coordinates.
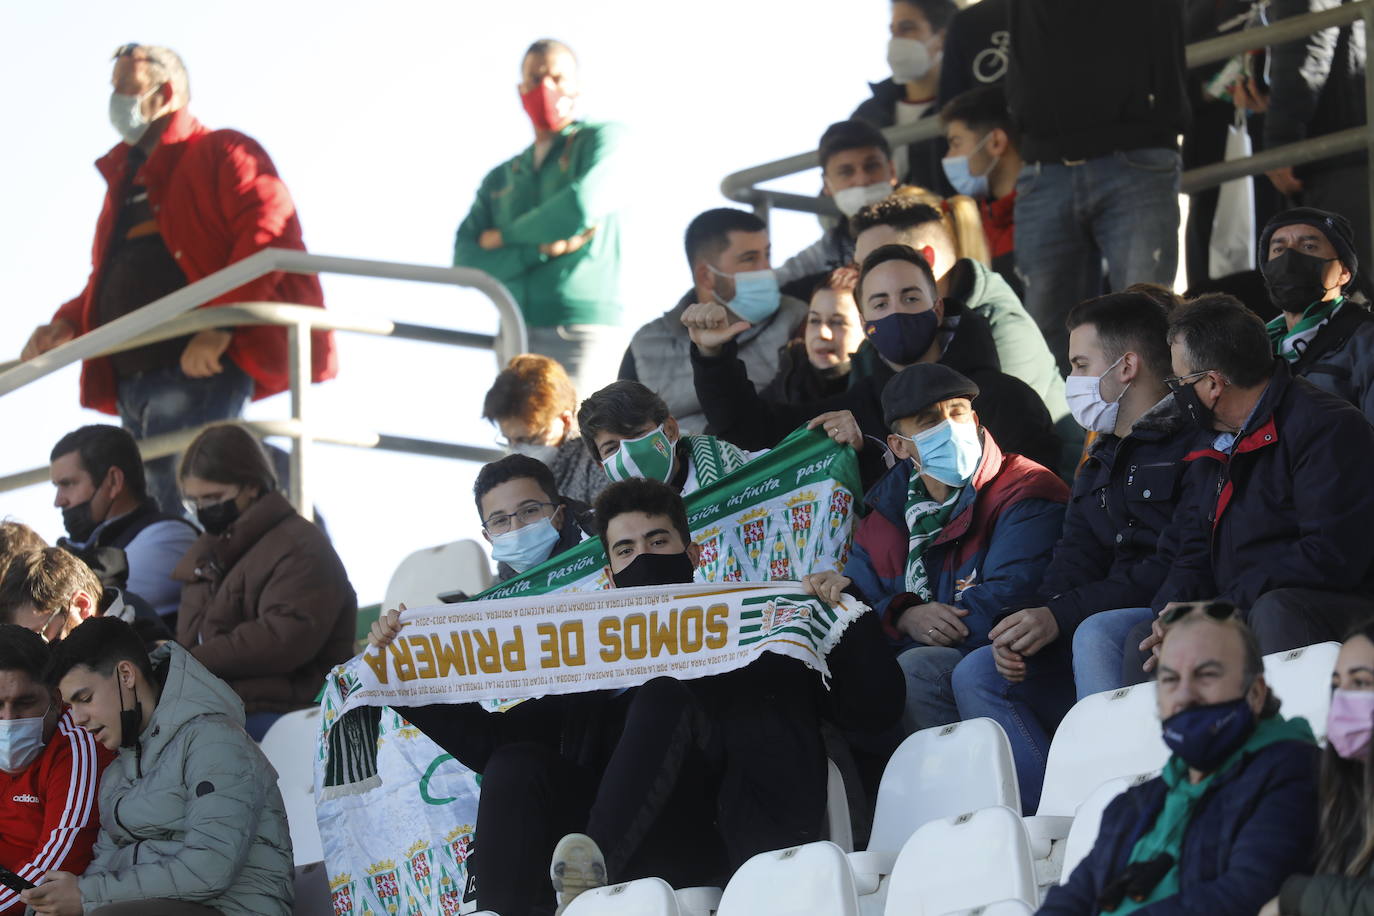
(290, 747)
(1301, 678)
(1000, 908)
(800, 881)
(840, 830)
(697, 901)
(426, 574)
(1083, 833)
(961, 862)
(935, 773)
(1109, 734)
(645, 897)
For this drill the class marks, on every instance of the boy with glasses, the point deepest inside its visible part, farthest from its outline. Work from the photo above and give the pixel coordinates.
(524, 518)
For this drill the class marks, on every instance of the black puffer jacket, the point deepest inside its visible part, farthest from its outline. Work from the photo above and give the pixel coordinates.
(1123, 497)
(1092, 77)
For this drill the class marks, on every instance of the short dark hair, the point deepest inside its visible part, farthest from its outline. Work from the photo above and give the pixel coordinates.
(1221, 334)
(982, 109)
(98, 643)
(16, 539)
(856, 133)
(46, 579)
(22, 650)
(885, 253)
(709, 234)
(1128, 321)
(532, 388)
(640, 494)
(621, 408)
(900, 211)
(937, 12)
(228, 453)
(100, 447)
(514, 467)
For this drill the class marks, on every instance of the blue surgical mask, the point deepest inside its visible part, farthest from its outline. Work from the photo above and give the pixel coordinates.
(1204, 736)
(961, 177)
(126, 115)
(949, 452)
(903, 337)
(756, 294)
(525, 547)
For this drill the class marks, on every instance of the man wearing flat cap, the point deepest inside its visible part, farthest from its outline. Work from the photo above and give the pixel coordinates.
(1309, 264)
(958, 532)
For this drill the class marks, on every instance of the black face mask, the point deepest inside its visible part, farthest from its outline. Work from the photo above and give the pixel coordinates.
(656, 569)
(1294, 280)
(1193, 408)
(216, 519)
(78, 521)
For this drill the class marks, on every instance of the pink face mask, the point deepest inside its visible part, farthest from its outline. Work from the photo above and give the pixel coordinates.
(1350, 721)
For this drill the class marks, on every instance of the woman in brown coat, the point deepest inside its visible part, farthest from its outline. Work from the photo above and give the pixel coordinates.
(266, 603)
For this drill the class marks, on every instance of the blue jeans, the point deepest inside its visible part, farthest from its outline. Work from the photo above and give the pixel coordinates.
(929, 690)
(165, 401)
(1028, 711)
(1099, 646)
(1122, 207)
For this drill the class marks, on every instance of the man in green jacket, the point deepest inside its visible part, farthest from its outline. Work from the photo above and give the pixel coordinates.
(545, 224)
(191, 821)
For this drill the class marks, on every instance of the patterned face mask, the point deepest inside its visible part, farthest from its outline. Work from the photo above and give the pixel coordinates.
(650, 456)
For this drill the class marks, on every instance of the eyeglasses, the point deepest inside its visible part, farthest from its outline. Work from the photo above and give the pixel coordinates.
(527, 513)
(43, 630)
(1217, 610)
(532, 439)
(1176, 383)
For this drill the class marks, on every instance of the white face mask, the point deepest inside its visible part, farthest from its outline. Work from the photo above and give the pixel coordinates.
(21, 741)
(909, 59)
(852, 200)
(126, 115)
(544, 453)
(1084, 394)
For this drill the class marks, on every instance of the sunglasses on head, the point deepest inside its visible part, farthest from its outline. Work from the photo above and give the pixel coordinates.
(1217, 610)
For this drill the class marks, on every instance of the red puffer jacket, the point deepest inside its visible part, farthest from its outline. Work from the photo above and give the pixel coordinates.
(217, 199)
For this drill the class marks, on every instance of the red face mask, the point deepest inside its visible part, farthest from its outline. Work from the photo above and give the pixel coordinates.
(549, 109)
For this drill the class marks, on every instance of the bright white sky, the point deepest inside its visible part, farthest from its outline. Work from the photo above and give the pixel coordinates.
(383, 119)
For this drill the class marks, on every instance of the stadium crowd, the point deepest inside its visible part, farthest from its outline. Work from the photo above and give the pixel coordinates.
(1073, 478)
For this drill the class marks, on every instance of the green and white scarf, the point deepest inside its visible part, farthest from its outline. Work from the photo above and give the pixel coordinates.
(925, 519)
(714, 458)
(1291, 345)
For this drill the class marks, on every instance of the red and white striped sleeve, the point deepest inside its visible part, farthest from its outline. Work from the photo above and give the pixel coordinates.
(71, 817)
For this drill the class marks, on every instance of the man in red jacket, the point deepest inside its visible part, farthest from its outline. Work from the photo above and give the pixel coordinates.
(49, 771)
(183, 202)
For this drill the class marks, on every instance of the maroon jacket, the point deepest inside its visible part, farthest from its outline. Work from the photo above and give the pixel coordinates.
(217, 199)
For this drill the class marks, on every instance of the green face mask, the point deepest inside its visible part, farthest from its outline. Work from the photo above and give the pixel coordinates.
(650, 456)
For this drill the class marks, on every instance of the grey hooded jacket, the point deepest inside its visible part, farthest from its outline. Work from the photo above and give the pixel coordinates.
(197, 816)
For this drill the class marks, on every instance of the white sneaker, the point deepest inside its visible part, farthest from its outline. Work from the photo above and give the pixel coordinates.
(577, 866)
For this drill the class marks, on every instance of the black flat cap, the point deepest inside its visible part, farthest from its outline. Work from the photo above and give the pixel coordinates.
(917, 387)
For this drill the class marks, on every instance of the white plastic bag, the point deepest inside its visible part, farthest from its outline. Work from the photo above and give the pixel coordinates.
(1232, 247)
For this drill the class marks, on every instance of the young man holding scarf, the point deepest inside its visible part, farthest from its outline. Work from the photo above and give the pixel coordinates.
(1233, 813)
(545, 223)
(683, 780)
(630, 430)
(1309, 263)
(958, 534)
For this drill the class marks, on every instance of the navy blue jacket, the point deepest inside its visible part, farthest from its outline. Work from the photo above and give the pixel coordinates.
(1255, 826)
(1123, 497)
(1287, 508)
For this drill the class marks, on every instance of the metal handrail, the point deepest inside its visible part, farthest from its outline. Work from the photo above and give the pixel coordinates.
(742, 186)
(177, 315)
